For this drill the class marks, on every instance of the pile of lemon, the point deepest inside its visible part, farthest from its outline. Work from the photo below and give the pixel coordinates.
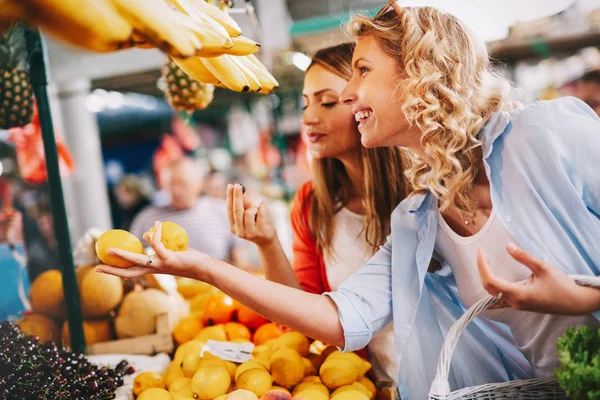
(285, 368)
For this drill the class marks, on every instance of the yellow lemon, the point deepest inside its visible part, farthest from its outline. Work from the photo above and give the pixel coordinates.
(287, 367)
(309, 368)
(190, 364)
(294, 340)
(181, 388)
(362, 366)
(312, 394)
(155, 394)
(354, 387)
(147, 380)
(246, 366)
(311, 386)
(172, 373)
(173, 236)
(350, 395)
(210, 382)
(311, 379)
(231, 368)
(256, 380)
(366, 382)
(119, 239)
(193, 346)
(216, 332)
(337, 373)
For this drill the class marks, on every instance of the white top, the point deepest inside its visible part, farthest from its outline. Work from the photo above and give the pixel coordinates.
(350, 252)
(535, 333)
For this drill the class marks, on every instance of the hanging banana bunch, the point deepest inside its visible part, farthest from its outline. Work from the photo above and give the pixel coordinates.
(203, 40)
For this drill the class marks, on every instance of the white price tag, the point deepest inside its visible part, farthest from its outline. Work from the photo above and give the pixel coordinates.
(234, 352)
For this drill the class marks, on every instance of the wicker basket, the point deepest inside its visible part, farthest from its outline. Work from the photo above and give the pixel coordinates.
(539, 389)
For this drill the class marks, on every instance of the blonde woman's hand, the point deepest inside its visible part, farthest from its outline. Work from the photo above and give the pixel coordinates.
(246, 221)
(547, 290)
(189, 263)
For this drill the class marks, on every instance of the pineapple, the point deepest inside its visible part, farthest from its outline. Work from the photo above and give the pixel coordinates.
(183, 92)
(16, 93)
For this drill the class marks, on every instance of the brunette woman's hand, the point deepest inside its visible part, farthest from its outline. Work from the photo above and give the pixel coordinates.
(547, 290)
(246, 221)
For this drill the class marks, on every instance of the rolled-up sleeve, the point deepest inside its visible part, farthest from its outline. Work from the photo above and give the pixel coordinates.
(364, 300)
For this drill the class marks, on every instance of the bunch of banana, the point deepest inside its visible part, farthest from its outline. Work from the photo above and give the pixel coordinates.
(235, 68)
(238, 73)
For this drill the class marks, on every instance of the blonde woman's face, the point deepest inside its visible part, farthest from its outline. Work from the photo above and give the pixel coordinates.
(330, 124)
(373, 96)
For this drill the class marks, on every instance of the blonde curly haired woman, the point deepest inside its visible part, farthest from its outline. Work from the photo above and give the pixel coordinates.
(507, 200)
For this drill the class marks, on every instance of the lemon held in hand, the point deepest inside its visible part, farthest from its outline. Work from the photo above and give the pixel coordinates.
(173, 236)
(119, 239)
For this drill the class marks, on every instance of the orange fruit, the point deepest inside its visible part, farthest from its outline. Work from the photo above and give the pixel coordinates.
(187, 328)
(266, 332)
(249, 318)
(119, 239)
(235, 330)
(218, 309)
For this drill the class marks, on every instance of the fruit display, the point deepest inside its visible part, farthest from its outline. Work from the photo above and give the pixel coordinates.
(33, 370)
(279, 369)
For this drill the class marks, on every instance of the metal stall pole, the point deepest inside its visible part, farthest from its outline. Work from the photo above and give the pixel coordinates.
(36, 48)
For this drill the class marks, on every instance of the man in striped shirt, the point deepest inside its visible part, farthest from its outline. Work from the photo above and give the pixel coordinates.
(204, 218)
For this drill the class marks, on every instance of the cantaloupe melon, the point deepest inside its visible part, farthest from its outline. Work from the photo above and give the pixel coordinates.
(41, 326)
(138, 312)
(94, 331)
(99, 293)
(46, 295)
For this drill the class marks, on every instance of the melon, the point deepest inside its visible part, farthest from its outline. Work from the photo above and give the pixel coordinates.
(138, 312)
(94, 331)
(99, 293)
(41, 326)
(46, 295)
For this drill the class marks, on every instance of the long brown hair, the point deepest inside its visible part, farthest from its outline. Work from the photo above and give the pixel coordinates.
(382, 171)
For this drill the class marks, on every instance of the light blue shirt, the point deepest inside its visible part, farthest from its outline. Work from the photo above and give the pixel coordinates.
(543, 164)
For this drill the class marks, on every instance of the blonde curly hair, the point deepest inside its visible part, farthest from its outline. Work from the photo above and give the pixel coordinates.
(449, 92)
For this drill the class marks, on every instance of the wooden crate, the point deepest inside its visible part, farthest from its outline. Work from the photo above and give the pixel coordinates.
(159, 342)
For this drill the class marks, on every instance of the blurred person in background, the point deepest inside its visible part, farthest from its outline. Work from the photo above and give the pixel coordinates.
(42, 248)
(342, 215)
(131, 197)
(587, 88)
(216, 185)
(203, 217)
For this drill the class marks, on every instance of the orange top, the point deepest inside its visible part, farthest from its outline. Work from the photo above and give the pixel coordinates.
(308, 263)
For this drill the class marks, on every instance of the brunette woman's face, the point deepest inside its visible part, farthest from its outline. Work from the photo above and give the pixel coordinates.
(373, 96)
(329, 124)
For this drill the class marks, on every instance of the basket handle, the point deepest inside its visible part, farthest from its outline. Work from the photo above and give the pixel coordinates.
(440, 386)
